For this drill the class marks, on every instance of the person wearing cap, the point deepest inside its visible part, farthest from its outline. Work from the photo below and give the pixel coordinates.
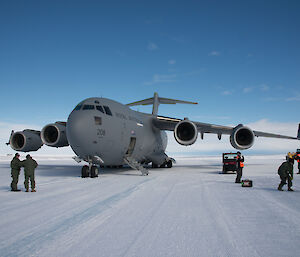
(29, 167)
(240, 166)
(16, 166)
(285, 171)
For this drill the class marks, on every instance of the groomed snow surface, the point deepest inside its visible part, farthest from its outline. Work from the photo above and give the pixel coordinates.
(188, 210)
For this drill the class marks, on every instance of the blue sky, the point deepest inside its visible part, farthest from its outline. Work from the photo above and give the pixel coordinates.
(239, 59)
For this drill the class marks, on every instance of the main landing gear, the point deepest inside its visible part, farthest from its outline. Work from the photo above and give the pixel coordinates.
(89, 171)
(167, 164)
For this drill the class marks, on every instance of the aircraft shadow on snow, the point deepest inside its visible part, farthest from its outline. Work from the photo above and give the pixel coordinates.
(75, 171)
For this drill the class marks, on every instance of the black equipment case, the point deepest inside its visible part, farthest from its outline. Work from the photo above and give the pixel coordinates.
(247, 183)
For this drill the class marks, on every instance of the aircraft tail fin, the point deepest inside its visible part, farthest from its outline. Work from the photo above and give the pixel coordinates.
(156, 100)
(298, 134)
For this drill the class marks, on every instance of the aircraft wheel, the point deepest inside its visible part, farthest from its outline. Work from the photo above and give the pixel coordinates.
(85, 171)
(169, 164)
(163, 165)
(94, 172)
(154, 166)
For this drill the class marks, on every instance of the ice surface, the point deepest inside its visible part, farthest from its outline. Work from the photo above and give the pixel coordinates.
(189, 210)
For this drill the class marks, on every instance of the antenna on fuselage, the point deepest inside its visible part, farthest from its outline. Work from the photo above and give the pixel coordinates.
(156, 101)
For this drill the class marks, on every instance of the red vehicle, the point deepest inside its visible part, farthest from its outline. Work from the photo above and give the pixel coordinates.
(229, 162)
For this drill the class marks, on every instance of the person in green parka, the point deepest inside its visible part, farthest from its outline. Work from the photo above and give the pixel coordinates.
(16, 166)
(29, 167)
(285, 171)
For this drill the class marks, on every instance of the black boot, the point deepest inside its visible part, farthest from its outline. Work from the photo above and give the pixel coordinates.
(280, 188)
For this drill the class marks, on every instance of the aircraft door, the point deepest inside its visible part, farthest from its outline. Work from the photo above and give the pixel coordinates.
(131, 146)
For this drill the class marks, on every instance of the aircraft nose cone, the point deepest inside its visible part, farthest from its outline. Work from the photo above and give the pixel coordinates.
(78, 133)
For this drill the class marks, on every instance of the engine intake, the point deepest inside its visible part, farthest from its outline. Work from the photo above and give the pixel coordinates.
(186, 132)
(242, 137)
(26, 140)
(55, 135)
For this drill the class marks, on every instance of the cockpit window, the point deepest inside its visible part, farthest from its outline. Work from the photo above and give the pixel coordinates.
(88, 107)
(107, 110)
(99, 108)
(78, 107)
(97, 102)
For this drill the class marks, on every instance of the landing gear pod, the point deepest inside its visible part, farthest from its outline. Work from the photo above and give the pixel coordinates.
(186, 132)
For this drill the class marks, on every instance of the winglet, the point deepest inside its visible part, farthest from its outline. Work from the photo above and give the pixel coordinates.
(156, 100)
(8, 143)
(298, 134)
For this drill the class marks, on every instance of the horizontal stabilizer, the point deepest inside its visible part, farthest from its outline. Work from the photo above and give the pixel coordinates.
(162, 100)
(142, 102)
(156, 100)
(174, 101)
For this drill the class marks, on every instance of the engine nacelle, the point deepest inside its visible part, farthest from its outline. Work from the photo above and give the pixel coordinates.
(26, 140)
(55, 135)
(186, 132)
(242, 137)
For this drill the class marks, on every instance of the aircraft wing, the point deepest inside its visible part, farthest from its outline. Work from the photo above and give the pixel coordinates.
(265, 134)
(186, 131)
(167, 123)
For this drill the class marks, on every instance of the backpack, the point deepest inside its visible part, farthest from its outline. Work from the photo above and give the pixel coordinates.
(281, 169)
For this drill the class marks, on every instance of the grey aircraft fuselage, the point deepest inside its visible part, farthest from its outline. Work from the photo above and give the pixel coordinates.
(104, 131)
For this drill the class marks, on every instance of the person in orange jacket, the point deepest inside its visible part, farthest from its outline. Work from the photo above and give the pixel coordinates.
(297, 158)
(240, 166)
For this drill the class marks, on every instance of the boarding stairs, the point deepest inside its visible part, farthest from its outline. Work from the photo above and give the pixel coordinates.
(136, 165)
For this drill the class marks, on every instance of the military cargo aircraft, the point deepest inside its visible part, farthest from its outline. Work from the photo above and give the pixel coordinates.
(104, 132)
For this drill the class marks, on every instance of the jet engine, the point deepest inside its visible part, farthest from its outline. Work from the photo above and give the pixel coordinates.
(26, 140)
(186, 132)
(242, 137)
(55, 135)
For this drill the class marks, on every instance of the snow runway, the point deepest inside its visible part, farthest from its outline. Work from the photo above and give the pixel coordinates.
(189, 210)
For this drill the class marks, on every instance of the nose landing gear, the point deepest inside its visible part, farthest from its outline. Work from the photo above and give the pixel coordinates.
(85, 173)
(89, 171)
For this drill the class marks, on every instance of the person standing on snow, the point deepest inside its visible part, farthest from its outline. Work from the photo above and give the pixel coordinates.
(16, 166)
(240, 166)
(297, 158)
(285, 171)
(29, 167)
